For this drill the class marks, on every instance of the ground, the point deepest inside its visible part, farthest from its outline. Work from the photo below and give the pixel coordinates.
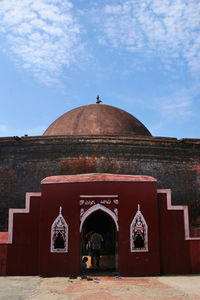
(98, 288)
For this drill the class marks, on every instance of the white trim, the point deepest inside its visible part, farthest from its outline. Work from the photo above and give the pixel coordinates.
(65, 225)
(13, 211)
(140, 215)
(184, 208)
(98, 196)
(95, 208)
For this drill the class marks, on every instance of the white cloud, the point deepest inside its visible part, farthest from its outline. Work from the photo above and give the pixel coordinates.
(172, 111)
(43, 34)
(179, 106)
(168, 28)
(176, 106)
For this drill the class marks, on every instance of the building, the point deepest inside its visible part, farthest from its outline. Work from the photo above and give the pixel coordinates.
(137, 185)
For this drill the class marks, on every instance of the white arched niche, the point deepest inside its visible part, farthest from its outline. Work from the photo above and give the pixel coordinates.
(138, 229)
(59, 230)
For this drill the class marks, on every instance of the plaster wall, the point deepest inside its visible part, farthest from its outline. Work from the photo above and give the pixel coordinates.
(194, 255)
(22, 250)
(3, 258)
(129, 194)
(174, 248)
(170, 248)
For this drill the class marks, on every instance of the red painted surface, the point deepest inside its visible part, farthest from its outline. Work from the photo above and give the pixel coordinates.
(139, 263)
(30, 254)
(174, 249)
(129, 193)
(3, 259)
(54, 196)
(22, 256)
(195, 255)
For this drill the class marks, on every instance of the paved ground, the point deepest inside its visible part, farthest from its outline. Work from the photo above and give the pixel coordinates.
(100, 288)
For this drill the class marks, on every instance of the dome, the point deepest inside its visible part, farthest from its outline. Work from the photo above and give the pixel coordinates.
(97, 119)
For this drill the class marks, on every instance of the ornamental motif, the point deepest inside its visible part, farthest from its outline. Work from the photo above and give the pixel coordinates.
(59, 234)
(116, 212)
(82, 202)
(138, 233)
(81, 212)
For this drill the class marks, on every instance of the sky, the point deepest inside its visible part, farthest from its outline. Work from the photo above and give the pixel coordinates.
(142, 56)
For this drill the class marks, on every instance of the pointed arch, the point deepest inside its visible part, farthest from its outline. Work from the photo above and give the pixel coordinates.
(138, 233)
(59, 234)
(95, 208)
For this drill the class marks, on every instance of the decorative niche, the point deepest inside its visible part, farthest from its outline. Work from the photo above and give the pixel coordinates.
(138, 233)
(59, 234)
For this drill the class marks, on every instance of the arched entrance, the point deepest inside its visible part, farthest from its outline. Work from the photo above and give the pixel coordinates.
(101, 222)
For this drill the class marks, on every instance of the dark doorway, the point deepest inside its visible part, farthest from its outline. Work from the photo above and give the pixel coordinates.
(102, 223)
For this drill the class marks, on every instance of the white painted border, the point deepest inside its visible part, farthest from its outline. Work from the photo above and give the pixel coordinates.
(98, 196)
(95, 208)
(13, 211)
(52, 250)
(146, 249)
(184, 208)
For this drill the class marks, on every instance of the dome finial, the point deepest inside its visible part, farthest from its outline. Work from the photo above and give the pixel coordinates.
(98, 100)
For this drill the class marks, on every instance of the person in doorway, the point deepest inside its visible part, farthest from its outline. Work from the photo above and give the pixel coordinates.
(84, 265)
(96, 243)
(89, 243)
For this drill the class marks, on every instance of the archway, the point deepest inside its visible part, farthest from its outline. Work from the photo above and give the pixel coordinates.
(101, 222)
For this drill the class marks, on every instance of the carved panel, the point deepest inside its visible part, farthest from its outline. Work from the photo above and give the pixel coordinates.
(59, 234)
(138, 233)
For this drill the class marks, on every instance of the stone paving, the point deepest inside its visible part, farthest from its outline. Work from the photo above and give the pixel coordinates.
(100, 288)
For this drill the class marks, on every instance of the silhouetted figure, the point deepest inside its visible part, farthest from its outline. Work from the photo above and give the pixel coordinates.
(96, 242)
(89, 244)
(84, 265)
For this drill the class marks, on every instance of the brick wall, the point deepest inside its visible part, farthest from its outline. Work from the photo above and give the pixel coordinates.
(25, 161)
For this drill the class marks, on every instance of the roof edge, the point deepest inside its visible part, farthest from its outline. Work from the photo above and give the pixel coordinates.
(96, 177)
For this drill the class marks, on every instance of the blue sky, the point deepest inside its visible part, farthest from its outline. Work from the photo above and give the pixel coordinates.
(142, 56)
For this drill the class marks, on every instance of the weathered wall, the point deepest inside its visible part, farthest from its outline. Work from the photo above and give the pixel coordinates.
(174, 249)
(29, 253)
(24, 162)
(22, 253)
(170, 250)
(3, 257)
(67, 195)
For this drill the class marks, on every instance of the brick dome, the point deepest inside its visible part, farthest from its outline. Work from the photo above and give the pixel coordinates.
(97, 119)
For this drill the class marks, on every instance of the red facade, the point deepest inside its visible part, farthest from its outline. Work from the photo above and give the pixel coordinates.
(149, 235)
